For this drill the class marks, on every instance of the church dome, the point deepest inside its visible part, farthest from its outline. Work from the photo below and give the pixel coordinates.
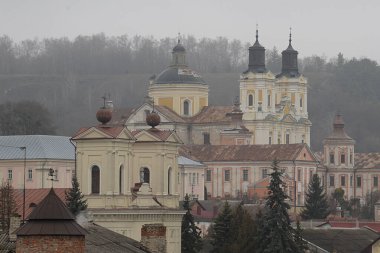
(178, 72)
(179, 75)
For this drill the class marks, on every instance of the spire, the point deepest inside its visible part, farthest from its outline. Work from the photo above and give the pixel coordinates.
(338, 130)
(289, 60)
(257, 34)
(257, 56)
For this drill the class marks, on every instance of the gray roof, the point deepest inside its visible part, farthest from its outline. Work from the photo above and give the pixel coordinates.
(37, 147)
(100, 239)
(188, 162)
(178, 75)
(341, 240)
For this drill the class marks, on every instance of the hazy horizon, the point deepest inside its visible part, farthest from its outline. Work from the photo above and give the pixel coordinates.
(322, 28)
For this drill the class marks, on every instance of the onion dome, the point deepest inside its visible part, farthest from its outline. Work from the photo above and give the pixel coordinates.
(257, 57)
(289, 61)
(104, 115)
(153, 119)
(178, 72)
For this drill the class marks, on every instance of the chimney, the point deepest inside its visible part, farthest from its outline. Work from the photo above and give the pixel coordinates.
(153, 236)
(14, 224)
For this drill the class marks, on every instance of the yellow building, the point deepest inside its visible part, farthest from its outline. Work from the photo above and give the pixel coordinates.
(130, 178)
(178, 87)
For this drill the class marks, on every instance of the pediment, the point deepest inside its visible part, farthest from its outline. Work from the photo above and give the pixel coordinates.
(125, 134)
(139, 115)
(146, 136)
(93, 133)
(289, 118)
(174, 138)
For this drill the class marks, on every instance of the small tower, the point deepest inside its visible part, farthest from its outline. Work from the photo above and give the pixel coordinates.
(257, 56)
(289, 60)
(338, 146)
(51, 228)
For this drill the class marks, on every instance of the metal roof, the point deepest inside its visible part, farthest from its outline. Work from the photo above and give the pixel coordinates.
(188, 162)
(37, 147)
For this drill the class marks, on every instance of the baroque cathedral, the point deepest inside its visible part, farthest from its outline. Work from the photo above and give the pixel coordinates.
(272, 109)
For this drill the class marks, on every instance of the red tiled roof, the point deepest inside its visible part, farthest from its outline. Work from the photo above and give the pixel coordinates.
(212, 114)
(34, 196)
(163, 135)
(214, 153)
(367, 160)
(113, 131)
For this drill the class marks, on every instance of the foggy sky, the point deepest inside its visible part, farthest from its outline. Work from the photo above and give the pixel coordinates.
(319, 27)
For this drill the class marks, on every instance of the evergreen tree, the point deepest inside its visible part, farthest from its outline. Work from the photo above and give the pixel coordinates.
(243, 231)
(276, 234)
(222, 230)
(7, 205)
(301, 244)
(316, 206)
(190, 233)
(74, 198)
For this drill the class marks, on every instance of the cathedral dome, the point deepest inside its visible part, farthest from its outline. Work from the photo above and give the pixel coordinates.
(178, 72)
(179, 75)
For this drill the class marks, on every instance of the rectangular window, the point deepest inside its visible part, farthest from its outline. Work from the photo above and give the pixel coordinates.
(193, 182)
(358, 182)
(10, 174)
(245, 175)
(332, 179)
(342, 181)
(311, 175)
(342, 158)
(350, 158)
(332, 159)
(299, 175)
(270, 140)
(208, 175)
(206, 138)
(30, 174)
(287, 138)
(375, 181)
(264, 173)
(197, 178)
(227, 175)
(268, 100)
(351, 179)
(298, 199)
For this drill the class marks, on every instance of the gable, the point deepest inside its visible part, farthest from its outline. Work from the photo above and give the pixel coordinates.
(92, 133)
(125, 134)
(146, 136)
(305, 155)
(139, 116)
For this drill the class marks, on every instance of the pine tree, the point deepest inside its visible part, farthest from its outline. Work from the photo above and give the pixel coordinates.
(276, 234)
(301, 244)
(316, 206)
(222, 230)
(7, 205)
(190, 233)
(243, 231)
(74, 198)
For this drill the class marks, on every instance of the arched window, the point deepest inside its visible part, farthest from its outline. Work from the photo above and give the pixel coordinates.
(95, 180)
(301, 102)
(186, 107)
(169, 181)
(250, 100)
(121, 179)
(144, 175)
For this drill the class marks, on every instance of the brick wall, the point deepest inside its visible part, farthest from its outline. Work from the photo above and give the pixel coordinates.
(153, 236)
(44, 244)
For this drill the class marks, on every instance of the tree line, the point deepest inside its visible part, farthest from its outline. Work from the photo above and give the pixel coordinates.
(72, 75)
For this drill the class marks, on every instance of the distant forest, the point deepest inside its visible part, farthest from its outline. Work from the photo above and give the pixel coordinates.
(68, 77)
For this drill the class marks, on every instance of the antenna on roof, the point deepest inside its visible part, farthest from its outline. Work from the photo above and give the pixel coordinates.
(179, 38)
(290, 35)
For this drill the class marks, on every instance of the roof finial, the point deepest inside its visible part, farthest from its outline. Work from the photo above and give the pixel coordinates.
(290, 35)
(104, 100)
(179, 38)
(257, 32)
